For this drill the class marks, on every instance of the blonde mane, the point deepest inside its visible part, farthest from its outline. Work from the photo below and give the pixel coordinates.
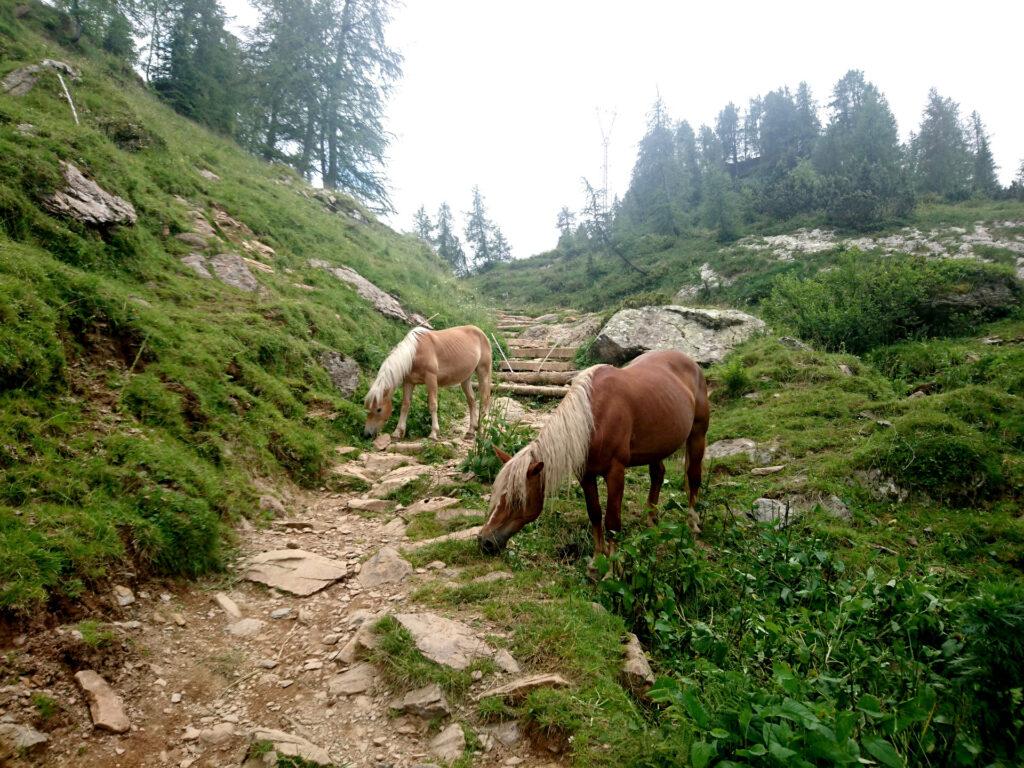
(563, 444)
(396, 366)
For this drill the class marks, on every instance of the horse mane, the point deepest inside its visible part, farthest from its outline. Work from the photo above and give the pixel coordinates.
(396, 366)
(563, 444)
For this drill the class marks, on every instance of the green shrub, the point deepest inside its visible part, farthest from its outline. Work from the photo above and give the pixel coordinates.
(868, 301)
(496, 432)
(734, 378)
(937, 455)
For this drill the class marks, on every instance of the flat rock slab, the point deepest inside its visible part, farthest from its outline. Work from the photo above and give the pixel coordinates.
(636, 669)
(463, 535)
(518, 689)
(359, 679)
(398, 478)
(106, 707)
(706, 335)
(231, 269)
(294, 570)
(722, 449)
(428, 702)
(370, 505)
(84, 200)
(781, 513)
(18, 739)
(229, 606)
(449, 744)
(289, 745)
(444, 641)
(430, 504)
(246, 627)
(385, 567)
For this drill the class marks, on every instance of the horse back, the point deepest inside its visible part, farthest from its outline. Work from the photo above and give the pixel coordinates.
(646, 411)
(452, 354)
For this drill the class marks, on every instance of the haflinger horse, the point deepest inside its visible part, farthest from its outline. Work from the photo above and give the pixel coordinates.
(611, 419)
(436, 359)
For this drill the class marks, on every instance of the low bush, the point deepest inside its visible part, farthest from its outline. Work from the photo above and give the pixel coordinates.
(496, 432)
(868, 301)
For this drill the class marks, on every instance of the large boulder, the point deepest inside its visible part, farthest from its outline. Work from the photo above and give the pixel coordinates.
(21, 81)
(84, 200)
(706, 335)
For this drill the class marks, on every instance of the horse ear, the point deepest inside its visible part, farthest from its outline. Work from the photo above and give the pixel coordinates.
(535, 469)
(505, 458)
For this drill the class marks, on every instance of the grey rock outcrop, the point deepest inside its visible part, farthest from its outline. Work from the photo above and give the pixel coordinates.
(294, 570)
(381, 300)
(232, 270)
(84, 200)
(706, 335)
(344, 372)
(22, 80)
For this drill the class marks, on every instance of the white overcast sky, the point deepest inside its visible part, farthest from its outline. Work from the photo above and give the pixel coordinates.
(505, 94)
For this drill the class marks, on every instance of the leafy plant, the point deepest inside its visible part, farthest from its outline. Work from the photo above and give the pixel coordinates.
(496, 432)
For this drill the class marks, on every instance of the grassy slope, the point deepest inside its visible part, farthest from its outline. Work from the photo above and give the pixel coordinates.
(557, 279)
(136, 400)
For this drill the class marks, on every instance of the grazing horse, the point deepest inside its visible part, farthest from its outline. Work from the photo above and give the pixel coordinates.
(611, 419)
(437, 359)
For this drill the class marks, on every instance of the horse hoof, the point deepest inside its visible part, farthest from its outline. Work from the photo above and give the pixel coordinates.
(398, 434)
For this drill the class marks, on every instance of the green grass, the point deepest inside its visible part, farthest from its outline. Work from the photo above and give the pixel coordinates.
(137, 400)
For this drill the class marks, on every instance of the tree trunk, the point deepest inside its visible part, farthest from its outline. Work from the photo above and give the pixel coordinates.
(334, 105)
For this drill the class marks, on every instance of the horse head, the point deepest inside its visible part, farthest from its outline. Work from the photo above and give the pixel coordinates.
(512, 507)
(378, 411)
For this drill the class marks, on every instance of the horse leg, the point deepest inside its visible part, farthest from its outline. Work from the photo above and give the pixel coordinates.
(694, 459)
(657, 478)
(467, 388)
(431, 382)
(483, 381)
(616, 482)
(403, 415)
(589, 483)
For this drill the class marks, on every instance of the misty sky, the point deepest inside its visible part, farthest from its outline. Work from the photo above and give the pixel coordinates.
(504, 95)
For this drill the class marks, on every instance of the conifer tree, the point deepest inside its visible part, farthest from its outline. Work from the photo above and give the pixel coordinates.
(502, 249)
(447, 242)
(479, 232)
(942, 160)
(984, 181)
(424, 226)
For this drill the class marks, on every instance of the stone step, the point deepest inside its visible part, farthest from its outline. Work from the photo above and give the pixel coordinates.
(551, 353)
(532, 390)
(538, 377)
(537, 365)
(503, 318)
(514, 326)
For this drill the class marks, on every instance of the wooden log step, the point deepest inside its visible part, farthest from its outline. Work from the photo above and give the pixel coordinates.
(536, 365)
(513, 327)
(538, 377)
(551, 353)
(514, 319)
(532, 390)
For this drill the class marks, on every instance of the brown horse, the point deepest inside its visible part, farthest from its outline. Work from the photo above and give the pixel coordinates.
(611, 419)
(437, 359)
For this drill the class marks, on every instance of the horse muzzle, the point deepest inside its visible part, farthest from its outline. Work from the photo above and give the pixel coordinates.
(492, 544)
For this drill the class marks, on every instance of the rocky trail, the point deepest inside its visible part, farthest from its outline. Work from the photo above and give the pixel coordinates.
(272, 655)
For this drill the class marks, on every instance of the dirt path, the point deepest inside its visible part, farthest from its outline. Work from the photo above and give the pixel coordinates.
(203, 665)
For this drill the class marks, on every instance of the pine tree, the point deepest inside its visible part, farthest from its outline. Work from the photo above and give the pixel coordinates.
(478, 232)
(424, 226)
(984, 181)
(655, 187)
(502, 250)
(688, 162)
(447, 242)
(941, 157)
(565, 222)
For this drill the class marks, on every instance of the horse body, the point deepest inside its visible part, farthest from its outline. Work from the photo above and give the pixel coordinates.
(435, 359)
(637, 415)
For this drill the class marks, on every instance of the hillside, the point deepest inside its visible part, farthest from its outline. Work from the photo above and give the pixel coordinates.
(144, 401)
(741, 273)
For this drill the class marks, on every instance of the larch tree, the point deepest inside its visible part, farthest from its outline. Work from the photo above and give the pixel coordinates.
(727, 128)
(447, 243)
(423, 226)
